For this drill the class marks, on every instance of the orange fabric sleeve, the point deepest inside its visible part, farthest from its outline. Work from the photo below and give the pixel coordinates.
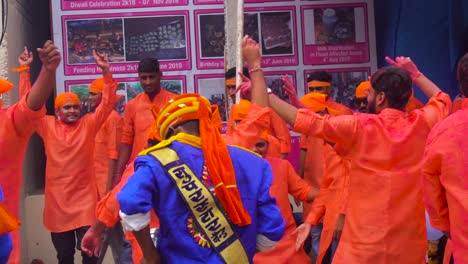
(303, 142)
(106, 106)
(318, 208)
(434, 193)
(24, 83)
(338, 129)
(230, 122)
(280, 130)
(128, 132)
(115, 130)
(438, 107)
(297, 187)
(25, 119)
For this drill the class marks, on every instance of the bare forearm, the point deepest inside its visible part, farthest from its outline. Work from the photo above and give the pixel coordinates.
(286, 111)
(150, 253)
(111, 173)
(41, 89)
(427, 86)
(259, 92)
(124, 154)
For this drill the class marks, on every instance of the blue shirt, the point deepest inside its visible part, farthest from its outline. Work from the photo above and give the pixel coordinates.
(150, 187)
(6, 244)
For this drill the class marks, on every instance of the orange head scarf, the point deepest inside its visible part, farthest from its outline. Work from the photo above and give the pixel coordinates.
(241, 110)
(317, 102)
(318, 84)
(196, 107)
(97, 86)
(231, 82)
(5, 86)
(65, 98)
(362, 89)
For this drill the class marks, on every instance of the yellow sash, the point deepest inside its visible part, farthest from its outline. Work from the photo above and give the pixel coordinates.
(207, 214)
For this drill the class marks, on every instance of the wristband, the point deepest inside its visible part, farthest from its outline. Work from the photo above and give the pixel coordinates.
(269, 91)
(255, 68)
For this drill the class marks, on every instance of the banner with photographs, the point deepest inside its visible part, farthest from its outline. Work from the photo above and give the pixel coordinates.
(212, 2)
(126, 40)
(127, 89)
(274, 28)
(344, 83)
(117, 4)
(335, 33)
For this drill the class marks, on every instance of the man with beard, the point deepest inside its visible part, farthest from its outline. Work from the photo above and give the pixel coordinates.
(385, 220)
(137, 116)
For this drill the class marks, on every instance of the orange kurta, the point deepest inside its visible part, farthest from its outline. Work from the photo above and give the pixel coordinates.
(137, 120)
(386, 151)
(445, 181)
(285, 181)
(105, 149)
(17, 123)
(457, 105)
(70, 190)
(331, 199)
(277, 128)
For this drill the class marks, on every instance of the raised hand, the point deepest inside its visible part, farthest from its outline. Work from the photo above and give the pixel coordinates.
(25, 58)
(49, 55)
(406, 64)
(245, 88)
(251, 51)
(289, 89)
(303, 231)
(102, 61)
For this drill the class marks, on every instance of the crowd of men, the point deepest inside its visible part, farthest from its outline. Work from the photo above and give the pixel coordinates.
(162, 184)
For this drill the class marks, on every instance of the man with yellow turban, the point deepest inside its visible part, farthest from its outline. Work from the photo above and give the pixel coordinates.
(17, 123)
(71, 192)
(285, 182)
(211, 209)
(360, 99)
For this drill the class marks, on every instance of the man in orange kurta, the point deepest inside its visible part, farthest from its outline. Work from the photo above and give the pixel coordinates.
(285, 182)
(385, 148)
(17, 124)
(137, 116)
(445, 177)
(71, 192)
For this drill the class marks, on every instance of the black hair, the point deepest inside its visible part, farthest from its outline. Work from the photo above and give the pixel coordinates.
(148, 65)
(232, 73)
(395, 83)
(322, 76)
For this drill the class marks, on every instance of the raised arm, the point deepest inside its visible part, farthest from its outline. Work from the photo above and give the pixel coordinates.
(42, 87)
(24, 60)
(251, 53)
(427, 86)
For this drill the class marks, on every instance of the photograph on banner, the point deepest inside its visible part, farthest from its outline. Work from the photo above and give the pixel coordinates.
(67, 5)
(212, 2)
(126, 39)
(335, 33)
(127, 89)
(272, 27)
(212, 87)
(102, 35)
(275, 83)
(343, 84)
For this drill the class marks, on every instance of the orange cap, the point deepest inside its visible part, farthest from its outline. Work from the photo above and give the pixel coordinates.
(241, 110)
(66, 98)
(97, 86)
(317, 102)
(362, 89)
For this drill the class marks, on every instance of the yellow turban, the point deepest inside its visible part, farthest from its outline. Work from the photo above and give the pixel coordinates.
(362, 89)
(241, 110)
(317, 102)
(186, 107)
(5, 86)
(66, 98)
(97, 86)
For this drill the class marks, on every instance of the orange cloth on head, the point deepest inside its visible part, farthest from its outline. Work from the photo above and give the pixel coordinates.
(5, 86)
(71, 192)
(96, 86)
(241, 110)
(445, 181)
(17, 125)
(137, 120)
(341, 109)
(193, 106)
(317, 102)
(318, 84)
(385, 152)
(363, 89)
(285, 181)
(66, 98)
(231, 82)
(106, 144)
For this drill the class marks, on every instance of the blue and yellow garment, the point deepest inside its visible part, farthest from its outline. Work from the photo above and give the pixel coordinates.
(6, 244)
(150, 187)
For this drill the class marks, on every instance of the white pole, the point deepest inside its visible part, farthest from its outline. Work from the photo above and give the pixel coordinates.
(240, 34)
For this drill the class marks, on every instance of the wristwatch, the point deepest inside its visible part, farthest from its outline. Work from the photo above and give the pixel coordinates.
(269, 91)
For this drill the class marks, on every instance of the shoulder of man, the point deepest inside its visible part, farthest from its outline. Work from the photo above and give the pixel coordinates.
(241, 150)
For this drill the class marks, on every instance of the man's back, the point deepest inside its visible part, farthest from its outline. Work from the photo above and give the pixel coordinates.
(178, 235)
